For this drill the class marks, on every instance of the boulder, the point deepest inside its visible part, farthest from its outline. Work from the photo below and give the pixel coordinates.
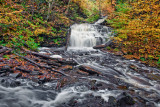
(111, 44)
(42, 80)
(112, 101)
(99, 46)
(15, 75)
(9, 82)
(125, 99)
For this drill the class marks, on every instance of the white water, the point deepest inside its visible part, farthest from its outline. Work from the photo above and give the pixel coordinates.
(85, 36)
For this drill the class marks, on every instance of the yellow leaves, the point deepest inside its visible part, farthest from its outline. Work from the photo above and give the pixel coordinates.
(39, 31)
(105, 6)
(14, 12)
(140, 34)
(123, 36)
(142, 50)
(117, 39)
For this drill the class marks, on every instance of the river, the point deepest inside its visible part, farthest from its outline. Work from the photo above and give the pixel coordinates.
(118, 82)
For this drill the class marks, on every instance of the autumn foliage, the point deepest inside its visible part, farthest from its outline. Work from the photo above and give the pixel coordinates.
(21, 21)
(99, 6)
(137, 25)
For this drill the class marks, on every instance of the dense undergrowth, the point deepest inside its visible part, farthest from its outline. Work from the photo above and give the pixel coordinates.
(22, 21)
(137, 25)
(29, 23)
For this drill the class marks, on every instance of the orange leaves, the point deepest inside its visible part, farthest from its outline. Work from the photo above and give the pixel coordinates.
(142, 29)
(105, 6)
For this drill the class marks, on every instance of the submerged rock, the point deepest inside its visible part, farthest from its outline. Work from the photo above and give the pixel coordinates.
(125, 99)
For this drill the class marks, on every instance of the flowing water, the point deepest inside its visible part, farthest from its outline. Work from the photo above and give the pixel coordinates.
(118, 79)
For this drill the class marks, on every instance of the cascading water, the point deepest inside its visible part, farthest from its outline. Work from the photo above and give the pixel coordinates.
(120, 80)
(88, 35)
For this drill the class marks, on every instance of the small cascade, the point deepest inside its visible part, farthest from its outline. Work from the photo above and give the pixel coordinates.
(88, 35)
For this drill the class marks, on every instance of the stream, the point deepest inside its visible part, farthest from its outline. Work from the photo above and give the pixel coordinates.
(118, 82)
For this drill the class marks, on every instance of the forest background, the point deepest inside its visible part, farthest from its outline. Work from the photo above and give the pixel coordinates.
(136, 23)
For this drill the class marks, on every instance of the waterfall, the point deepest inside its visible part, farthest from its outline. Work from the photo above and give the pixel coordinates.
(88, 35)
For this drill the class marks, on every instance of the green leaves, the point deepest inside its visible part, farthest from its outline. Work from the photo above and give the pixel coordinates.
(122, 6)
(93, 18)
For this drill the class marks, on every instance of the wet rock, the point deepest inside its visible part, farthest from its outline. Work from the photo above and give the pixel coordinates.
(7, 82)
(23, 70)
(91, 101)
(36, 73)
(42, 80)
(150, 104)
(157, 86)
(99, 46)
(125, 99)
(3, 105)
(3, 74)
(82, 72)
(67, 62)
(93, 85)
(99, 84)
(66, 68)
(6, 68)
(88, 70)
(2, 95)
(154, 77)
(15, 75)
(35, 79)
(138, 79)
(112, 101)
(138, 69)
(110, 44)
(53, 63)
(123, 87)
(119, 53)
